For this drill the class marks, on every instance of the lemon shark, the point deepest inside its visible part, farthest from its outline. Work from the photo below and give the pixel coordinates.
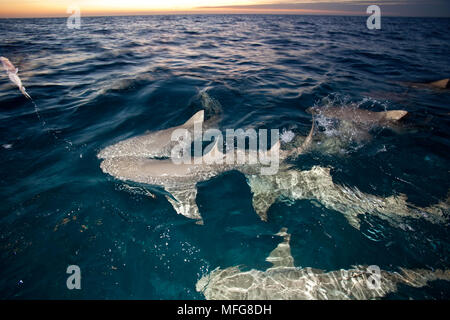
(13, 75)
(284, 281)
(180, 179)
(317, 184)
(134, 160)
(350, 126)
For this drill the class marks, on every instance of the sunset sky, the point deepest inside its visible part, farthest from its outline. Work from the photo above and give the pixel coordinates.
(42, 8)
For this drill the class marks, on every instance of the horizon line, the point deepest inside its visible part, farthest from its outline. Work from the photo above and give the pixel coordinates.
(183, 13)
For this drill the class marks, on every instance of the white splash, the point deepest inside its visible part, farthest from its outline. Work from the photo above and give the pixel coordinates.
(287, 136)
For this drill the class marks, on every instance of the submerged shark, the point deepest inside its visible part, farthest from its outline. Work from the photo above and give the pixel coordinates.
(349, 126)
(317, 184)
(13, 75)
(441, 84)
(284, 281)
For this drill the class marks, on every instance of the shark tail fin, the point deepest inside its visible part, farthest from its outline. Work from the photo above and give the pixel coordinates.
(198, 117)
(395, 115)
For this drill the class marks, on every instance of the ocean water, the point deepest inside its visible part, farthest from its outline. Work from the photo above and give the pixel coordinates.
(118, 77)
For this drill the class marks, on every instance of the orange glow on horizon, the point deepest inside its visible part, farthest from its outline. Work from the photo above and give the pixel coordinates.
(58, 8)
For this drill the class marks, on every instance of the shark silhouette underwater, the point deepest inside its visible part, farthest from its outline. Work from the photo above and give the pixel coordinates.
(132, 160)
(442, 84)
(284, 281)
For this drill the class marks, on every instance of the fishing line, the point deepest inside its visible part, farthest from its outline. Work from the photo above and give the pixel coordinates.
(44, 124)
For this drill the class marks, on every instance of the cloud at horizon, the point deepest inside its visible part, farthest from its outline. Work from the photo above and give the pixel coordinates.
(39, 8)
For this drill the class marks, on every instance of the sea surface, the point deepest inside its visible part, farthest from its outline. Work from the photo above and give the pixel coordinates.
(119, 77)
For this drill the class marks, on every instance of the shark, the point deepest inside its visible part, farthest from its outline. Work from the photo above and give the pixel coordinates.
(438, 84)
(317, 184)
(180, 179)
(441, 84)
(134, 160)
(12, 72)
(345, 128)
(284, 281)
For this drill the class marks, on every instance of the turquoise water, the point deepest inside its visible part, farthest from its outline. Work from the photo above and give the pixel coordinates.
(119, 77)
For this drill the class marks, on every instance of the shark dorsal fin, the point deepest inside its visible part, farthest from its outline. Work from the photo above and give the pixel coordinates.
(281, 256)
(395, 114)
(198, 117)
(443, 84)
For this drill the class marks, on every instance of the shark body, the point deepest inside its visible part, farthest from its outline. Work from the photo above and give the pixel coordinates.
(179, 179)
(131, 160)
(350, 126)
(317, 184)
(284, 281)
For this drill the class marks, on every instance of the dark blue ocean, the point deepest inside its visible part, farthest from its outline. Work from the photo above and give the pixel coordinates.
(118, 77)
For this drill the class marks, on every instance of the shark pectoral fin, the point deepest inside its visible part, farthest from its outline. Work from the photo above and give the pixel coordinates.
(262, 202)
(264, 194)
(183, 201)
(199, 117)
(353, 220)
